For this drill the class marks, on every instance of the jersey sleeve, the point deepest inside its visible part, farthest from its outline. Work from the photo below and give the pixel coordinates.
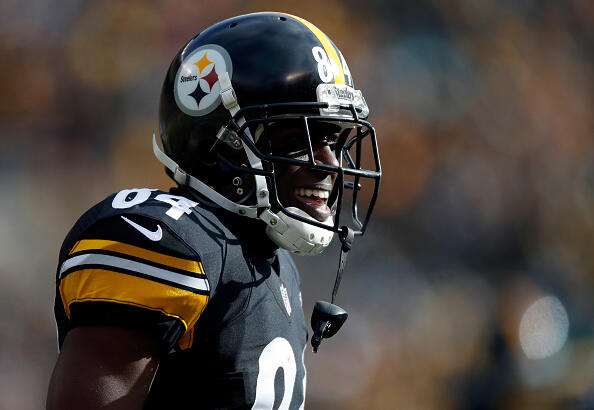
(132, 271)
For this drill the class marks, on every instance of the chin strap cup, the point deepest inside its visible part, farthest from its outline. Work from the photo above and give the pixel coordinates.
(294, 235)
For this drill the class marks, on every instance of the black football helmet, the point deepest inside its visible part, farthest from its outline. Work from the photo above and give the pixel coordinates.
(228, 90)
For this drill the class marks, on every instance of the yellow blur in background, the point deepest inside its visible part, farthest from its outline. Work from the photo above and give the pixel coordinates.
(473, 287)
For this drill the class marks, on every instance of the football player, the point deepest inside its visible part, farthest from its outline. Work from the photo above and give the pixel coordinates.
(190, 298)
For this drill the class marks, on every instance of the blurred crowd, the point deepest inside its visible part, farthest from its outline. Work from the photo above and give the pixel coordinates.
(473, 287)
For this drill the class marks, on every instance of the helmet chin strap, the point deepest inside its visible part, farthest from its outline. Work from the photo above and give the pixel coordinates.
(183, 178)
(327, 318)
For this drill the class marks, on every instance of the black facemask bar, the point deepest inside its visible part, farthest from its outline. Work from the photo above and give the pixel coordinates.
(264, 115)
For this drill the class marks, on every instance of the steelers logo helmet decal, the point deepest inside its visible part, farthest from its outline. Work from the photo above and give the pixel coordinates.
(197, 88)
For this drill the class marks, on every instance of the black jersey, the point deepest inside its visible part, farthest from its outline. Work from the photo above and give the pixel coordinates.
(224, 302)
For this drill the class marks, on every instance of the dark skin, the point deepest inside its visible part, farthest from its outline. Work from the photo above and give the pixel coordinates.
(292, 180)
(102, 367)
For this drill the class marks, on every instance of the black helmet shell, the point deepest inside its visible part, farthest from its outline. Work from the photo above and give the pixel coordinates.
(270, 57)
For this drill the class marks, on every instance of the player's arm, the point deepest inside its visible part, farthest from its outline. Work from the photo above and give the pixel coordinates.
(123, 299)
(103, 367)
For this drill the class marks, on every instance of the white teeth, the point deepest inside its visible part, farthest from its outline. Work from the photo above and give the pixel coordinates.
(320, 193)
(323, 194)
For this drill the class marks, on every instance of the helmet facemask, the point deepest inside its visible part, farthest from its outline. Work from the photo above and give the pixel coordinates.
(286, 135)
(258, 141)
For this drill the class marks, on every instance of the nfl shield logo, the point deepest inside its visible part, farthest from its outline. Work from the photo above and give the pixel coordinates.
(285, 296)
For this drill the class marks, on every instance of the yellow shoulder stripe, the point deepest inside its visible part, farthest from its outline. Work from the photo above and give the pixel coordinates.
(93, 285)
(131, 250)
(328, 47)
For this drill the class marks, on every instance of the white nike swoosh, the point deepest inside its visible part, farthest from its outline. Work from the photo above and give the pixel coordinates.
(153, 236)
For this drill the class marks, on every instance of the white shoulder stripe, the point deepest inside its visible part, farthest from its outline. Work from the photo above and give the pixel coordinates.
(117, 262)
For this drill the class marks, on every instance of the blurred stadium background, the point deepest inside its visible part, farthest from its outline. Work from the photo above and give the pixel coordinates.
(474, 286)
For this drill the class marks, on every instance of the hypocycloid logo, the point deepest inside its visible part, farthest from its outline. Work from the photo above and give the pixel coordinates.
(197, 87)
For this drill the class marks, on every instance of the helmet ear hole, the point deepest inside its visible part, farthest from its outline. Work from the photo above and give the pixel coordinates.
(206, 153)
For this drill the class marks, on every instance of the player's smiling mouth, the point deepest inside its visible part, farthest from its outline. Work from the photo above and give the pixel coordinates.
(313, 200)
